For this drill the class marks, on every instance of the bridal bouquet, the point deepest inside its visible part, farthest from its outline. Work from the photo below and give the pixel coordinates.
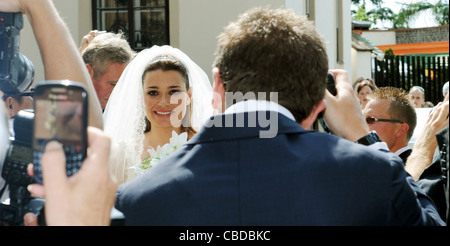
(176, 141)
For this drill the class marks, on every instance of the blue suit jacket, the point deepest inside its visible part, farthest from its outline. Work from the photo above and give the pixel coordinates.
(231, 176)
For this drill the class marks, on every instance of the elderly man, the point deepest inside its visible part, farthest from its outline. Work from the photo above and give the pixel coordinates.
(106, 56)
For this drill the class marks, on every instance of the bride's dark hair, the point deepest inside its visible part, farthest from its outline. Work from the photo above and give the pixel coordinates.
(170, 63)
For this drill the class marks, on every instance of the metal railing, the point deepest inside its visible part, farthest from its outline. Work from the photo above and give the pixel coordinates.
(429, 72)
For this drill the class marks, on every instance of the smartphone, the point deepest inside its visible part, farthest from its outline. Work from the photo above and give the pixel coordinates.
(60, 114)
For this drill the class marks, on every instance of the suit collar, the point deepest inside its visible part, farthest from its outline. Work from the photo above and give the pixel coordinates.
(258, 105)
(256, 124)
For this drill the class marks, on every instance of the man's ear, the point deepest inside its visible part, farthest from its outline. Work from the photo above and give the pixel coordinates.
(10, 106)
(309, 121)
(402, 130)
(90, 70)
(218, 100)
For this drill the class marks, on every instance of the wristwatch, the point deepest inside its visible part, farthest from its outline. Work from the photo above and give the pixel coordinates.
(369, 139)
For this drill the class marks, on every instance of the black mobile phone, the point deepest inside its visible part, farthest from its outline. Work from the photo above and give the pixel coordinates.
(60, 114)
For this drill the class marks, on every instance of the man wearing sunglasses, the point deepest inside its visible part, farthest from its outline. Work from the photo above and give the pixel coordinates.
(15, 102)
(390, 113)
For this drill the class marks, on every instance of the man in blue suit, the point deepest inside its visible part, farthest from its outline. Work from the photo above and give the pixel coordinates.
(258, 163)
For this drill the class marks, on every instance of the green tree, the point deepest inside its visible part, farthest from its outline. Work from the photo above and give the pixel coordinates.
(408, 12)
(375, 2)
(411, 11)
(389, 52)
(361, 14)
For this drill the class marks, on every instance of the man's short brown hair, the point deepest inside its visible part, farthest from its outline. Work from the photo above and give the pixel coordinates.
(274, 50)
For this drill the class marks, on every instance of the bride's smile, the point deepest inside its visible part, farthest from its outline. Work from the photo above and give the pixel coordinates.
(163, 114)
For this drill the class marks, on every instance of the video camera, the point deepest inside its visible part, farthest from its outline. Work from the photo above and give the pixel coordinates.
(16, 75)
(16, 70)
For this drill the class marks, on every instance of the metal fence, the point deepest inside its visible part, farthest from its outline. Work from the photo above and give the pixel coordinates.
(430, 72)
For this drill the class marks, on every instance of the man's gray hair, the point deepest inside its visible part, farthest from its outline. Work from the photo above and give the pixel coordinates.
(106, 48)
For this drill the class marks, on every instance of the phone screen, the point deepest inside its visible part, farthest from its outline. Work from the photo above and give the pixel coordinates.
(60, 115)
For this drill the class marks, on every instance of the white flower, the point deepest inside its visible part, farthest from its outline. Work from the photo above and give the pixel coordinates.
(178, 140)
(156, 156)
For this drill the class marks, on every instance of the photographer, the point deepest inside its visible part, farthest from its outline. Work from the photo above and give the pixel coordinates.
(61, 58)
(15, 103)
(62, 61)
(92, 185)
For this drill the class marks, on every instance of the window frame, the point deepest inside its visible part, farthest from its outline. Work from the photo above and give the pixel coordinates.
(131, 19)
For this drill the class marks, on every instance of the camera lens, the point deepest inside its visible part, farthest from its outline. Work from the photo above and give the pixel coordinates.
(26, 73)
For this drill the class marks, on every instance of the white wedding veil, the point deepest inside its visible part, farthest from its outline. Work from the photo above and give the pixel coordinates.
(124, 116)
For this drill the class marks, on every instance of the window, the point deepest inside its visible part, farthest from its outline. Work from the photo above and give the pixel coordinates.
(311, 10)
(340, 32)
(144, 22)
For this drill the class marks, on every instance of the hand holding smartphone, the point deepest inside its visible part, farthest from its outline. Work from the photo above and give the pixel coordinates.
(60, 109)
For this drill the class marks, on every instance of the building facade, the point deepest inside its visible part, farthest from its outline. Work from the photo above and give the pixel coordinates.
(195, 24)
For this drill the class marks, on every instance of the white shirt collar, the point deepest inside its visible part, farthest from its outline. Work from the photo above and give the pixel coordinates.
(258, 105)
(398, 152)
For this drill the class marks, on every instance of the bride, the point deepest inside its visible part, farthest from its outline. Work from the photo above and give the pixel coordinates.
(162, 93)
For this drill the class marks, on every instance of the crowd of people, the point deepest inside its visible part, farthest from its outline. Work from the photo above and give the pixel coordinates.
(251, 157)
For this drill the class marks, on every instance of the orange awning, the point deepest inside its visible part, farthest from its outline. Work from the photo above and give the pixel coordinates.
(418, 48)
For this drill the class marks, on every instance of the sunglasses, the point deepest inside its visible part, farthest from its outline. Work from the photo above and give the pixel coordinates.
(371, 120)
(26, 94)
